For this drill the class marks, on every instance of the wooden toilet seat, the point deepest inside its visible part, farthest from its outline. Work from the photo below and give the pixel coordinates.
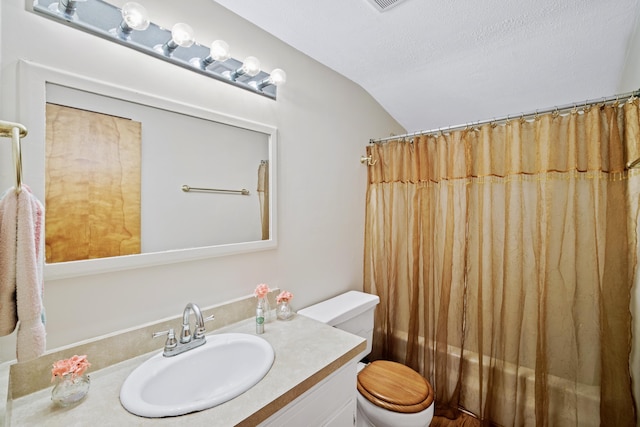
(395, 387)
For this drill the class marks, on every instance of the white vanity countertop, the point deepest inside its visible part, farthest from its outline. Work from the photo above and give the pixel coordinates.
(306, 351)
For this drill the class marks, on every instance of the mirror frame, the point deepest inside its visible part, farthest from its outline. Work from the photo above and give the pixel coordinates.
(31, 101)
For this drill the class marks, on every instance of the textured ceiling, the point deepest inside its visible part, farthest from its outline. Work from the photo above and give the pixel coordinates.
(436, 63)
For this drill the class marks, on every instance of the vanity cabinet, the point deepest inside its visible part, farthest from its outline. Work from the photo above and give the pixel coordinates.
(330, 403)
(312, 386)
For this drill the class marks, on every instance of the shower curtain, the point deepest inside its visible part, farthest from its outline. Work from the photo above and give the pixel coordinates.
(504, 258)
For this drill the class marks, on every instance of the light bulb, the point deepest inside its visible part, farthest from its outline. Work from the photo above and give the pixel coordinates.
(135, 16)
(278, 77)
(250, 66)
(182, 35)
(219, 51)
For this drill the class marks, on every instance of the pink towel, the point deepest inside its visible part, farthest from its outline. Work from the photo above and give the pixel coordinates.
(21, 282)
(8, 228)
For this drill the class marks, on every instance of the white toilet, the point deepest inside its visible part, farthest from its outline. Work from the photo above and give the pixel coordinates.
(389, 394)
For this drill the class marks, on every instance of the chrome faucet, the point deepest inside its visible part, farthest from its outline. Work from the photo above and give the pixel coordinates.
(185, 336)
(188, 340)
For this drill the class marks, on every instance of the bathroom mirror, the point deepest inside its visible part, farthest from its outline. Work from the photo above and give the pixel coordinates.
(185, 151)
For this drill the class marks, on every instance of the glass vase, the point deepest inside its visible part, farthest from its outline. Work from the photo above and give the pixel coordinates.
(284, 311)
(268, 313)
(70, 389)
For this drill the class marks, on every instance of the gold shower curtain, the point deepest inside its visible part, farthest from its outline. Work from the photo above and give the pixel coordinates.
(514, 246)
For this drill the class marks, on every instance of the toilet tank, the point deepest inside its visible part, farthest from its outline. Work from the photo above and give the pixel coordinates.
(351, 312)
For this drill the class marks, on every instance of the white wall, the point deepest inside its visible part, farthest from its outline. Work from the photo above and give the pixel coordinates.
(324, 122)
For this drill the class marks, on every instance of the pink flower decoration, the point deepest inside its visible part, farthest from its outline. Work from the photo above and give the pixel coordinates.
(75, 366)
(284, 296)
(261, 290)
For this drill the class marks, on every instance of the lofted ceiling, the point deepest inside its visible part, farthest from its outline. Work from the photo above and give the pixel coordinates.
(437, 63)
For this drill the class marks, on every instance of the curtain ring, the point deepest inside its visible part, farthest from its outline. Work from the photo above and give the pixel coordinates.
(602, 103)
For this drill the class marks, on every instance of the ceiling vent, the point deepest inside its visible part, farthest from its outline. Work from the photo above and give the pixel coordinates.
(384, 5)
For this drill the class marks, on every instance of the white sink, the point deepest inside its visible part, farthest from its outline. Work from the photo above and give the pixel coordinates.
(201, 378)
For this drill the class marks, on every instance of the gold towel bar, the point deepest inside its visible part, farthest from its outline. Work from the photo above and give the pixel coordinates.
(6, 127)
(631, 165)
(15, 131)
(186, 189)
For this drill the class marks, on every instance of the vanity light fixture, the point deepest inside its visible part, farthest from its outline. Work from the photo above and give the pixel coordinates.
(131, 27)
(134, 17)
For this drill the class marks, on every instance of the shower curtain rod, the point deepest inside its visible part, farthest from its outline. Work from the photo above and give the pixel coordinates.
(558, 109)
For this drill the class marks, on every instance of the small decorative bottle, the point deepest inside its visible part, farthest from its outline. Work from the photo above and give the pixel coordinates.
(283, 310)
(260, 316)
(70, 389)
(262, 308)
(72, 384)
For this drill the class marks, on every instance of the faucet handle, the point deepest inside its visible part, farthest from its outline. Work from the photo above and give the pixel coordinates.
(201, 330)
(171, 338)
